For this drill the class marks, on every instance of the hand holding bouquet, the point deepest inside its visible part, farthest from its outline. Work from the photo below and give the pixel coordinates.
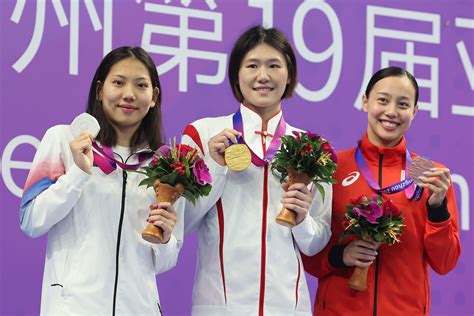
(304, 158)
(175, 171)
(371, 219)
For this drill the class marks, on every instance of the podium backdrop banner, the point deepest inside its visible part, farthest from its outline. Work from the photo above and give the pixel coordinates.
(51, 49)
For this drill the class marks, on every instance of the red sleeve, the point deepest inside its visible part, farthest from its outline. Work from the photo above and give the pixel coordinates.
(330, 258)
(442, 242)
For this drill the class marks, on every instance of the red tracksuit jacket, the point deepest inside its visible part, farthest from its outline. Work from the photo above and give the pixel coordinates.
(398, 281)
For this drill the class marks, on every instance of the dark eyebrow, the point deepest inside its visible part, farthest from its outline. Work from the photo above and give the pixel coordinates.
(271, 60)
(404, 98)
(124, 77)
(388, 95)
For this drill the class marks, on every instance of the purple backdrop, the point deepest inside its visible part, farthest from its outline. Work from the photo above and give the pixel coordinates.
(49, 54)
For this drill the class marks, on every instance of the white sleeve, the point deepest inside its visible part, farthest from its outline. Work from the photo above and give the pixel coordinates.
(313, 233)
(166, 255)
(50, 191)
(193, 214)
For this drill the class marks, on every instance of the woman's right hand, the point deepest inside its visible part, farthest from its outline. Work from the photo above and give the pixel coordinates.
(220, 142)
(360, 253)
(81, 148)
(163, 215)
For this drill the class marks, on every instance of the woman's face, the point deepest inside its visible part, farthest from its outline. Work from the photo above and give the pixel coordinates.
(127, 94)
(390, 107)
(263, 76)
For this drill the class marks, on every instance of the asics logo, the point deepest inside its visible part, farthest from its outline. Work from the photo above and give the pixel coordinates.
(353, 176)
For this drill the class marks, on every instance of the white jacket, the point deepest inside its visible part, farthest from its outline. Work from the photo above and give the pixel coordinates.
(94, 224)
(247, 263)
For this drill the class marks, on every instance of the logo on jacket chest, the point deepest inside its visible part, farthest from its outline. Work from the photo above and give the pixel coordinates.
(350, 179)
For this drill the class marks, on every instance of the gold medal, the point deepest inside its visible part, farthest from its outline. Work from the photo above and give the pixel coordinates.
(237, 157)
(418, 166)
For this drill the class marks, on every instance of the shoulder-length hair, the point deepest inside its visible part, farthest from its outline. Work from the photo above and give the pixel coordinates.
(149, 133)
(248, 41)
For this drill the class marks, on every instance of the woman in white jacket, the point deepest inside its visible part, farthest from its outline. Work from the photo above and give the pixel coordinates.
(247, 263)
(92, 209)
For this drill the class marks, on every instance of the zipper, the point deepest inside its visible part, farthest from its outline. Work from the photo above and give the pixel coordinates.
(119, 235)
(377, 262)
(159, 308)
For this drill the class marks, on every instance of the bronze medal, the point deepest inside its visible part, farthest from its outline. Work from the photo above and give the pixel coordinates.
(418, 166)
(237, 157)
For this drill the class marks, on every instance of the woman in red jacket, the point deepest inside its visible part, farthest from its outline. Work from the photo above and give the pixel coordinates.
(398, 278)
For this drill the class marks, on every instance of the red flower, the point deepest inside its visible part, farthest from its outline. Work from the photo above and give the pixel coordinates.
(328, 149)
(361, 199)
(345, 223)
(297, 135)
(183, 150)
(306, 150)
(390, 208)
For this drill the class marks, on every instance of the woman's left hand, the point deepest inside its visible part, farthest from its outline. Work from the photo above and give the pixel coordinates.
(437, 180)
(297, 198)
(163, 215)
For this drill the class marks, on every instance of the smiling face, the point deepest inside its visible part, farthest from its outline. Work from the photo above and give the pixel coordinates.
(127, 94)
(263, 77)
(390, 107)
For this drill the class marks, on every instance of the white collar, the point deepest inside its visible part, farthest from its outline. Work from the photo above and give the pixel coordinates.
(252, 122)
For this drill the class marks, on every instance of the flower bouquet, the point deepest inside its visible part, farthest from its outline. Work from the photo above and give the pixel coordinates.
(371, 219)
(174, 171)
(304, 158)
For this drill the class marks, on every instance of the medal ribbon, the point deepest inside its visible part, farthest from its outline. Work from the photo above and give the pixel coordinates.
(274, 145)
(104, 159)
(408, 184)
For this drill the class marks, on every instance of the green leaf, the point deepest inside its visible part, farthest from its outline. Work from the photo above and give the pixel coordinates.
(321, 190)
(148, 182)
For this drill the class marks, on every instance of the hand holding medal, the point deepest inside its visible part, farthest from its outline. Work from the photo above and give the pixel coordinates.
(84, 123)
(226, 149)
(84, 128)
(417, 168)
(437, 180)
(237, 156)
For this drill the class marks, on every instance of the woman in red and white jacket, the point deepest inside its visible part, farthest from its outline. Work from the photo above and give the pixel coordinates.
(398, 278)
(247, 263)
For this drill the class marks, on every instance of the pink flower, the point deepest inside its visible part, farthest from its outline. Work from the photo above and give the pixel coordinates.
(327, 148)
(312, 135)
(371, 212)
(201, 172)
(163, 150)
(389, 208)
(154, 160)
